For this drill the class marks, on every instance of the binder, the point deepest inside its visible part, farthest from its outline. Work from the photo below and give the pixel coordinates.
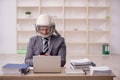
(15, 69)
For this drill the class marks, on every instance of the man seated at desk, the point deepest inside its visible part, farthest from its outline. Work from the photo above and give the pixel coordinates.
(47, 42)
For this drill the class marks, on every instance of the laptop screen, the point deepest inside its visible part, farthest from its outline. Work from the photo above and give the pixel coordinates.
(46, 63)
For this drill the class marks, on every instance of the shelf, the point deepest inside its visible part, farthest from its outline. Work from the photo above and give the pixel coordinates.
(97, 43)
(76, 31)
(26, 18)
(52, 3)
(95, 49)
(79, 13)
(76, 49)
(75, 19)
(76, 43)
(22, 43)
(99, 3)
(75, 25)
(98, 31)
(56, 6)
(21, 13)
(55, 12)
(25, 31)
(22, 46)
(85, 24)
(77, 3)
(28, 3)
(76, 37)
(24, 36)
(98, 7)
(81, 7)
(27, 6)
(100, 19)
(97, 13)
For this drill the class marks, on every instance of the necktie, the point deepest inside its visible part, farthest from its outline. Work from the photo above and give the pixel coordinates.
(45, 48)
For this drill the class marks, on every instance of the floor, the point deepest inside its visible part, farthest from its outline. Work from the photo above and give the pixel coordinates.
(112, 61)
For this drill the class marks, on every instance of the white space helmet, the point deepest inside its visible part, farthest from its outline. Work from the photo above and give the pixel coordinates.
(45, 20)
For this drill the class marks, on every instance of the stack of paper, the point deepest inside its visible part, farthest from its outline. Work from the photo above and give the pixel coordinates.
(84, 63)
(15, 69)
(101, 70)
(75, 71)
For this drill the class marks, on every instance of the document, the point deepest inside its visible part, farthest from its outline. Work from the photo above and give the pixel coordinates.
(75, 71)
(83, 61)
(100, 70)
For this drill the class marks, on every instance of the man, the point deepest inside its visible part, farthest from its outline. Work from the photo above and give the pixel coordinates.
(46, 43)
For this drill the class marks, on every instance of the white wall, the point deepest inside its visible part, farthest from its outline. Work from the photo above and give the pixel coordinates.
(115, 27)
(8, 26)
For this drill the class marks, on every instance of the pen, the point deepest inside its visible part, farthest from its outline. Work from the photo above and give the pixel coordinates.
(84, 71)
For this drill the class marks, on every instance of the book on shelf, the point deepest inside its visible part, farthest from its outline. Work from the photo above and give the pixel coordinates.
(15, 69)
(100, 70)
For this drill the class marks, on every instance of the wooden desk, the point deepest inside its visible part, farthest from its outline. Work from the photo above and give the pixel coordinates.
(55, 76)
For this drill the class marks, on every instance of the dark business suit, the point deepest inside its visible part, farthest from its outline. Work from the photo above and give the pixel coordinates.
(57, 48)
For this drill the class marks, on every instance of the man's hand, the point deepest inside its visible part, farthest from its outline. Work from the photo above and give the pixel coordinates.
(46, 54)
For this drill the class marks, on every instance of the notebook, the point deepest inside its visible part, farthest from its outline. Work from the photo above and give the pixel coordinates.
(46, 64)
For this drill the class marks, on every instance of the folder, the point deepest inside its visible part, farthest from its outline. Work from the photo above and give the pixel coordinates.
(15, 69)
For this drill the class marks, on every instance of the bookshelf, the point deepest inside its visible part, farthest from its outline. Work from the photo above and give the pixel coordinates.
(85, 24)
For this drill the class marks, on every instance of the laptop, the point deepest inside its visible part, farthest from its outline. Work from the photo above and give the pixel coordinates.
(46, 64)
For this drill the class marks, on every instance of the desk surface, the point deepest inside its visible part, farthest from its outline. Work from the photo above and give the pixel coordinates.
(111, 61)
(56, 76)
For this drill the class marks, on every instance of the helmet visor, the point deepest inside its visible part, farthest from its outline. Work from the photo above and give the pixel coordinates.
(44, 30)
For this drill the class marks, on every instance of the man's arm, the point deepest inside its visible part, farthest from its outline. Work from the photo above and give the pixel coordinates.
(62, 53)
(29, 54)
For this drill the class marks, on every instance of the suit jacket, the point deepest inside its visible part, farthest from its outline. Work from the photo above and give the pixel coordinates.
(57, 48)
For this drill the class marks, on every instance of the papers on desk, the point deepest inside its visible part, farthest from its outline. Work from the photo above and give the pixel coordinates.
(100, 70)
(15, 69)
(84, 64)
(75, 71)
(83, 61)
